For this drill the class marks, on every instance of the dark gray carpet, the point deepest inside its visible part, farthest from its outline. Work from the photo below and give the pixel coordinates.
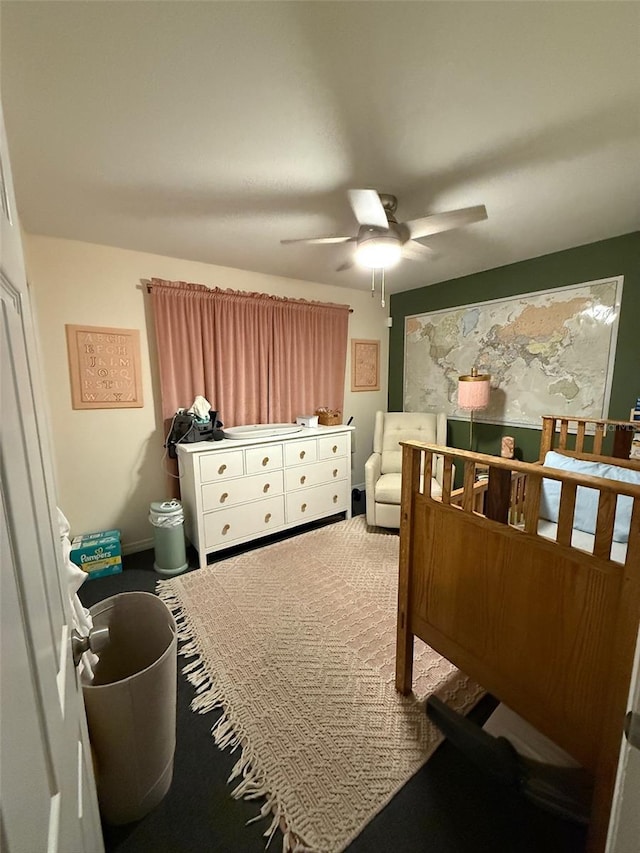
(447, 807)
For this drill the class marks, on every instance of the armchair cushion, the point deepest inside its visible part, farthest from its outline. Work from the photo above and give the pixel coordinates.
(406, 426)
(388, 489)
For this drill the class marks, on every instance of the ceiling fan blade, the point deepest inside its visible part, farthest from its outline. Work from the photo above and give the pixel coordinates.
(416, 251)
(368, 208)
(321, 240)
(345, 266)
(445, 221)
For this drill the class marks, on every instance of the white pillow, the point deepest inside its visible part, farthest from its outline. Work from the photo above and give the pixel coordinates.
(586, 510)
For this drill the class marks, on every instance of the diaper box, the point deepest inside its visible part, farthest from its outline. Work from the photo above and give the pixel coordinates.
(98, 554)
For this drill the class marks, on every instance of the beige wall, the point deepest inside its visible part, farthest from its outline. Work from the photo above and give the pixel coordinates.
(109, 461)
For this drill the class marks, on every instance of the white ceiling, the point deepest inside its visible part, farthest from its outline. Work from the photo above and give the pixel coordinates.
(212, 130)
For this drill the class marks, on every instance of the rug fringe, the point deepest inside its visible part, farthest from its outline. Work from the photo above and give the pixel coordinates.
(210, 697)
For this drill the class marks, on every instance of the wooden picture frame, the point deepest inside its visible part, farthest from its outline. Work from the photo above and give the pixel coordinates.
(104, 367)
(365, 365)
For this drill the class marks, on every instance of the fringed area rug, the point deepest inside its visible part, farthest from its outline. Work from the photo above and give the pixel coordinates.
(296, 643)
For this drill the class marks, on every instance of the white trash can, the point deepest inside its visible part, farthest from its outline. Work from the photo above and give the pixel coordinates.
(131, 705)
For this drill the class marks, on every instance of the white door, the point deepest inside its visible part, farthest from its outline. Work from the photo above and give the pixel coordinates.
(624, 828)
(48, 799)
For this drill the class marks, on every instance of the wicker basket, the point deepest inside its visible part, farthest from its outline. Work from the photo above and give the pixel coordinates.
(329, 417)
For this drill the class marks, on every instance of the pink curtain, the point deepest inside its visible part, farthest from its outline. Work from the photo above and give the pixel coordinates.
(309, 353)
(256, 358)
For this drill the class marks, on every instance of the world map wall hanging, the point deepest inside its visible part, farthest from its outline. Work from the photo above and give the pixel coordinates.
(549, 352)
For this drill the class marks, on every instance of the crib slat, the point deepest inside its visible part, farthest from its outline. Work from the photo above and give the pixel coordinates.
(565, 514)
(580, 437)
(428, 473)
(517, 498)
(532, 503)
(469, 480)
(604, 524)
(597, 438)
(546, 440)
(633, 545)
(447, 477)
(564, 431)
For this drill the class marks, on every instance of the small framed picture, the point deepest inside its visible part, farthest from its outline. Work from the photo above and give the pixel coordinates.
(365, 365)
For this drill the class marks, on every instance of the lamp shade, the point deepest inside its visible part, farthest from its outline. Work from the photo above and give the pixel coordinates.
(473, 391)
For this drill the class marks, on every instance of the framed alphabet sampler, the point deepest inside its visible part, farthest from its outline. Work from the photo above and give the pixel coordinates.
(104, 367)
(365, 365)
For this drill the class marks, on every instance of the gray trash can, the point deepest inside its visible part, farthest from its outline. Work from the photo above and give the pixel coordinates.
(131, 705)
(167, 519)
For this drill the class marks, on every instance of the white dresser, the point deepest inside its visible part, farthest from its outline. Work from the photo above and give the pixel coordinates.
(234, 491)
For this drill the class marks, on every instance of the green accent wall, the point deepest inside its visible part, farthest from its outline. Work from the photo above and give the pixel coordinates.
(617, 256)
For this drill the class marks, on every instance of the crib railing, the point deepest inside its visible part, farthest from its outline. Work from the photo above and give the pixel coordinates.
(512, 492)
(585, 437)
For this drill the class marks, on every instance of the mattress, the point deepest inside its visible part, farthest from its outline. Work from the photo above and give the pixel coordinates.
(581, 540)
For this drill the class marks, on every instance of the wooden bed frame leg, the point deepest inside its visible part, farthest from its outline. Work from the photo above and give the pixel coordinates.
(404, 657)
(600, 814)
(404, 637)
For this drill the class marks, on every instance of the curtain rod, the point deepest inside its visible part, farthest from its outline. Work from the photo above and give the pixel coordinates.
(148, 284)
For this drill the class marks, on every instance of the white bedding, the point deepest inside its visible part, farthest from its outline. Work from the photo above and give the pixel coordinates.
(581, 540)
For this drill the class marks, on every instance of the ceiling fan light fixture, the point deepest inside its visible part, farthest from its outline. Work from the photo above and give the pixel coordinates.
(382, 241)
(380, 252)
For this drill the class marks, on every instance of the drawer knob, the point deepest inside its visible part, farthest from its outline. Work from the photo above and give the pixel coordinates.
(266, 487)
(303, 479)
(335, 499)
(265, 461)
(335, 472)
(267, 518)
(222, 469)
(335, 448)
(303, 508)
(303, 453)
(226, 529)
(223, 497)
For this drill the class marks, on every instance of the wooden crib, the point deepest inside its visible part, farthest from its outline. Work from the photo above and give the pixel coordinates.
(548, 628)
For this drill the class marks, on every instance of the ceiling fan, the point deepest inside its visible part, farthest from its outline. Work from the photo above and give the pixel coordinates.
(381, 240)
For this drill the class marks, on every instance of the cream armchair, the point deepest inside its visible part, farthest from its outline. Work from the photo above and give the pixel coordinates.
(383, 469)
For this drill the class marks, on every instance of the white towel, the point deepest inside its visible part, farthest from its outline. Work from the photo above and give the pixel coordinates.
(80, 616)
(200, 408)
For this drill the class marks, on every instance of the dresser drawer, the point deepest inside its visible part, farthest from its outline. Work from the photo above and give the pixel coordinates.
(300, 452)
(333, 445)
(216, 466)
(264, 458)
(313, 475)
(320, 500)
(239, 522)
(230, 492)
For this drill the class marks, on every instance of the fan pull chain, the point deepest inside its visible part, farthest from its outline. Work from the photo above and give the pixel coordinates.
(373, 284)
